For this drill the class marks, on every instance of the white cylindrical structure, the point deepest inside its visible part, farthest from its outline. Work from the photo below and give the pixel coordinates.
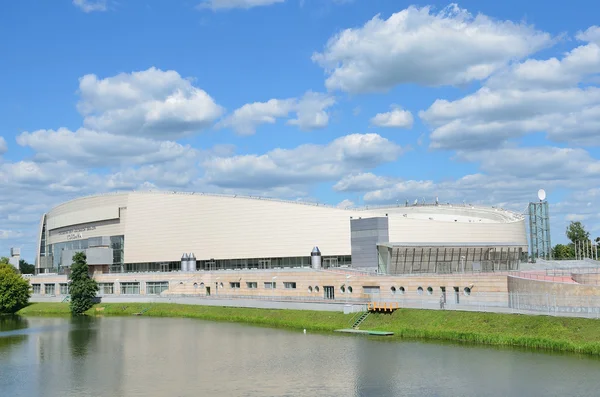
(192, 263)
(184, 263)
(315, 258)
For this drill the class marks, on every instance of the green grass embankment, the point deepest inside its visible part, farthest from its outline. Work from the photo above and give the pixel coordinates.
(538, 332)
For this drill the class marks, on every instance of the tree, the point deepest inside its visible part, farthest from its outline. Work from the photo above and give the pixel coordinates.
(14, 289)
(25, 267)
(83, 288)
(577, 233)
(562, 251)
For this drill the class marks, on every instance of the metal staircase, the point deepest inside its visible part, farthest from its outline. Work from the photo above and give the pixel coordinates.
(360, 319)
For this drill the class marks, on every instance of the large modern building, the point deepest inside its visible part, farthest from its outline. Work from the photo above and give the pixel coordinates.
(150, 231)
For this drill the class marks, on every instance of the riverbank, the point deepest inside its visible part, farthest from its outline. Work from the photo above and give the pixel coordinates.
(539, 332)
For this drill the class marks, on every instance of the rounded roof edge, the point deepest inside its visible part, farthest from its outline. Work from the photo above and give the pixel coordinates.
(510, 216)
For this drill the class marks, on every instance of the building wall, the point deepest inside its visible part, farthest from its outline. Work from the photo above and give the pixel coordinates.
(194, 284)
(365, 234)
(159, 227)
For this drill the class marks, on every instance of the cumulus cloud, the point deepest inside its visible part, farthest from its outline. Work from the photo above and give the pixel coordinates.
(90, 5)
(361, 182)
(416, 45)
(217, 5)
(531, 96)
(396, 118)
(3, 146)
(345, 204)
(592, 34)
(91, 148)
(306, 164)
(153, 103)
(6, 234)
(310, 112)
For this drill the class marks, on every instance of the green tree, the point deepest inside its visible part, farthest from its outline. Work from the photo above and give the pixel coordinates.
(577, 233)
(83, 288)
(562, 251)
(25, 267)
(14, 289)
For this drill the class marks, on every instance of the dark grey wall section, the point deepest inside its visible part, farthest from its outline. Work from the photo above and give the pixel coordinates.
(365, 233)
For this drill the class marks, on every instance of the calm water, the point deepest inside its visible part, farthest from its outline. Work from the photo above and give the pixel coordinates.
(140, 356)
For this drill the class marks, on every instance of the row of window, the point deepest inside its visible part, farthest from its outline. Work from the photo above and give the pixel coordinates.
(254, 285)
(127, 288)
(402, 290)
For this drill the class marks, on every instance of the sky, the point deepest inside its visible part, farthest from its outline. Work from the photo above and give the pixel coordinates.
(343, 102)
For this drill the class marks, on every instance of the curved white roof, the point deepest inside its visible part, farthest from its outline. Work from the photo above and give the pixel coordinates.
(438, 212)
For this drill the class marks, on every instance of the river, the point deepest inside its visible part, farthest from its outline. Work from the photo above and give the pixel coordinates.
(139, 356)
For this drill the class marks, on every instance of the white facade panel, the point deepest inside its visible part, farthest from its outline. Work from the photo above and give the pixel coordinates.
(92, 214)
(160, 227)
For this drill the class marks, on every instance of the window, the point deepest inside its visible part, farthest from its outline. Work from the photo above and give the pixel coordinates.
(234, 285)
(429, 291)
(49, 289)
(106, 288)
(310, 289)
(156, 287)
(370, 289)
(401, 290)
(36, 288)
(270, 285)
(349, 289)
(130, 288)
(467, 291)
(252, 285)
(64, 289)
(342, 289)
(393, 289)
(289, 285)
(420, 290)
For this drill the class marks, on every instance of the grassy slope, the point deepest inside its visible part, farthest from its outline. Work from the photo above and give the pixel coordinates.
(555, 333)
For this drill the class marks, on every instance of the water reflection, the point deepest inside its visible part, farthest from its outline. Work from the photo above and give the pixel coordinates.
(9, 338)
(163, 357)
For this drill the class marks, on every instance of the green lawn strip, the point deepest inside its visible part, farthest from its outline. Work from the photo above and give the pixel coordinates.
(543, 332)
(554, 333)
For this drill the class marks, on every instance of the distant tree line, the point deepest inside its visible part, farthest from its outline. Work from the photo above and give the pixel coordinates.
(577, 236)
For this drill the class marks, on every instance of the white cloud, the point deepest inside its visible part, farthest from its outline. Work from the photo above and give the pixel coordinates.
(361, 182)
(306, 164)
(6, 234)
(91, 148)
(90, 5)
(151, 103)
(544, 163)
(3, 146)
(592, 35)
(244, 120)
(396, 118)
(418, 46)
(345, 204)
(310, 112)
(532, 96)
(217, 5)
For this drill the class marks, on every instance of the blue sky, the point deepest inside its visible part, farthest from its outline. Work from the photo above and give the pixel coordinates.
(346, 102)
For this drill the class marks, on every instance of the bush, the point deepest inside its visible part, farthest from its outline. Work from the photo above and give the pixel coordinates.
(83, 288)
(14, 289)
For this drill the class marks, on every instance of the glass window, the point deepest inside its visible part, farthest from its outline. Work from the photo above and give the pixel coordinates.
(269, 285)
(130, 288)
(289, 285)
(49, 289)
(156, 287)
(64, 289)
(234, 285)
(106, 288)
(36, 288)
(252, 285)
